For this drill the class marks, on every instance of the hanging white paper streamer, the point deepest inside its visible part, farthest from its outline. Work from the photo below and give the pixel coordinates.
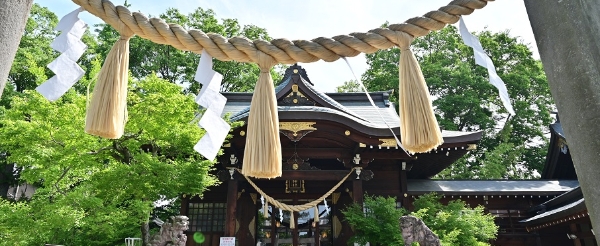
(65, 67)
(211, 99)
(482, 59)
(280, 215)
(327, 209)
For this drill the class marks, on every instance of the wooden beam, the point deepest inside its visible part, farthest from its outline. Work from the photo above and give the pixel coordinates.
(335, 175)
(317, 153)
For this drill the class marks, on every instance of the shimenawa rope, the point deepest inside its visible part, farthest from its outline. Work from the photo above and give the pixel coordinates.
(296, 208)
(282, 50)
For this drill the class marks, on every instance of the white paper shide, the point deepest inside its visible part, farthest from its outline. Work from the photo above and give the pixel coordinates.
(482, 59)
(68, 43)
(211, 99)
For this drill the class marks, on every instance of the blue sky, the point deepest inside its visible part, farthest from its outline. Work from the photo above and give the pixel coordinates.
(309, 19)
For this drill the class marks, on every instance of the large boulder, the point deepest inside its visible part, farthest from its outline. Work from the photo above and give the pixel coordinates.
(414, 230)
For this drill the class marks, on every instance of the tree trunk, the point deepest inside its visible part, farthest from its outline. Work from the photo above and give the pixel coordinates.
(6, 177)
(13, 17)
(145, 233)
(567, 33)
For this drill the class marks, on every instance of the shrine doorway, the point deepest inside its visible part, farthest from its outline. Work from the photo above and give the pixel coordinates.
(275, 229)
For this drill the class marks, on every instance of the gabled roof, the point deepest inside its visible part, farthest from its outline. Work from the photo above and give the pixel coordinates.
(352, 109)
(559, 164)
(567, 204)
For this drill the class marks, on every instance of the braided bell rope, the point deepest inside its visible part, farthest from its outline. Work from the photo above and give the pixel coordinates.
(296, 208)
(282, 50)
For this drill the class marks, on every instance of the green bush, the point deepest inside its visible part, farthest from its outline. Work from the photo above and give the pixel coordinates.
(378, 224)
(455, 223)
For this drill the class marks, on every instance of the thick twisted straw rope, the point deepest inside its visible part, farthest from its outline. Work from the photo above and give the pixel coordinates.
(296, 208)
(282, 50)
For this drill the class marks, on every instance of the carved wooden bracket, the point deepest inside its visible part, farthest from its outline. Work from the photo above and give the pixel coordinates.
(365, 175)
(296, 130)
(356, 161)
(225, 175)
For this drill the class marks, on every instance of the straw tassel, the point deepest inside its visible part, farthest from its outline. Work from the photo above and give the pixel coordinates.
(106, 114)
(262, 157)
(419, 128)
(292, 220)
(316, 214)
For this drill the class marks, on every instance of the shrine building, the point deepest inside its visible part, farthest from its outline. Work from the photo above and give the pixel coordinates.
(327, 136)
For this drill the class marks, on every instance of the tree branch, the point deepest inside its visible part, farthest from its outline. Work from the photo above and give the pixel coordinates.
(65, 171)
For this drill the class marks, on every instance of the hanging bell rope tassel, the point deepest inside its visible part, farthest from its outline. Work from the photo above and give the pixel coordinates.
(292, 220)
(262, 157)
(316, 214)
(106, 114)
(419, 128)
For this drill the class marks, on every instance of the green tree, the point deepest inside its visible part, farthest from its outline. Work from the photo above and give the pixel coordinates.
(455, 223)
(349, 86)
(179, 66)
(466, 101)
(29, 70)
(94, 191)
(377, 223)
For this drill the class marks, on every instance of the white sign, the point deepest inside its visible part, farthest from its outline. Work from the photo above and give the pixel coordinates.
(227, 241)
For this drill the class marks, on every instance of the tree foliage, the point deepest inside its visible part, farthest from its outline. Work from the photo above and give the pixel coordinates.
(464, 100)
(349, 86)
(455, 223)
(94, 191)
(377, 223)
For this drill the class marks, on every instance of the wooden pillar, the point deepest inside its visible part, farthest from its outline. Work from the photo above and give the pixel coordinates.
(185, 202)
(274, 227)
(317, 235)
(295, 234)
(576, 241)
(232, 189)
(538, 239)
(404, 186)
(357, 191)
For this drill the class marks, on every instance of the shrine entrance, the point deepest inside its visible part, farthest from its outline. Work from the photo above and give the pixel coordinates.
(275, 230)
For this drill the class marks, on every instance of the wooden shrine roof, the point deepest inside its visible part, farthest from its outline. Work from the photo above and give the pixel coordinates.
(568, 205)
(559, 164)
(352, 109)
(490, 187)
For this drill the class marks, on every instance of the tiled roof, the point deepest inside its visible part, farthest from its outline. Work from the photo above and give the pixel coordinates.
(499, 187)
